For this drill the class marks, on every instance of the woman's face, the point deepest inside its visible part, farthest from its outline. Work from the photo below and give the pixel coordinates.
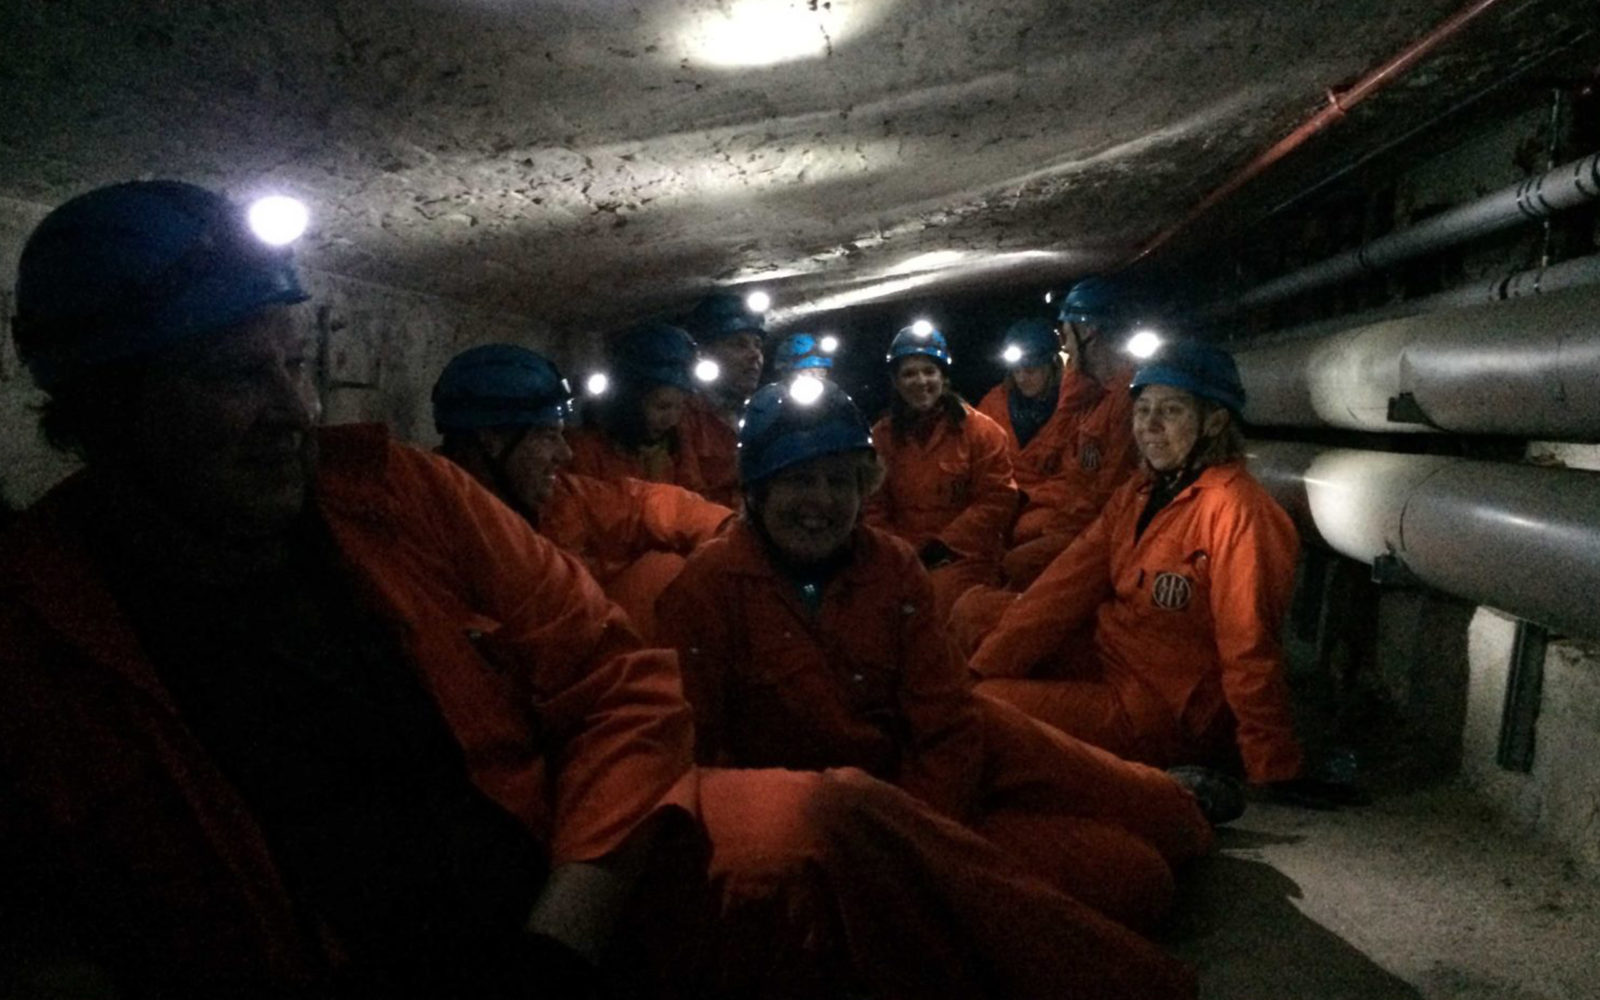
(1031, 380)
(662, 408)
(920, 382)
(811, 508)
(1166, 425)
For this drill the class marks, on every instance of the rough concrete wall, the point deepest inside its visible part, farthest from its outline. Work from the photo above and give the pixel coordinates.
(382, 349)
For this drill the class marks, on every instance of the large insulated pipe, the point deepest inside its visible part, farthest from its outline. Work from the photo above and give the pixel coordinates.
(1528, 367)
(1520, 538)
(1557, 190)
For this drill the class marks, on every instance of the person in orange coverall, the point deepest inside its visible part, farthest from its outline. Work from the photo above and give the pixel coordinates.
(948, 488)
(1155, 634)
(299, 712)
(1039, 406)
(810, 642)
(501, 410)
(1101, 455)
(635, 428)
(733, 336)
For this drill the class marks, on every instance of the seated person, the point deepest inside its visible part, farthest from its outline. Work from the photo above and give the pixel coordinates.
(1155, 634)
(502, 410)
(634, 429)
(732, 336)
(948, 488)
(809, 641)
(803, 354)
(299, 711)
(1100, 456)
(1038, 405)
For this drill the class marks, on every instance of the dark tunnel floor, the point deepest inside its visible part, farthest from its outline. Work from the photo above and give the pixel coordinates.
(1419, 895)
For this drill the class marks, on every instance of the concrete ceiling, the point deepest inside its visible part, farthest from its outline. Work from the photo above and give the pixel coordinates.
(590, 161)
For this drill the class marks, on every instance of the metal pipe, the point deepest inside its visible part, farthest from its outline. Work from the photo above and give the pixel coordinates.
(1574, 273)
(1529, 368)
(1564, 187)
(1338, 104)
(1523, 539)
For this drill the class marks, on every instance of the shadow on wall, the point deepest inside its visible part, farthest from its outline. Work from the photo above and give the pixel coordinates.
(1239, 924)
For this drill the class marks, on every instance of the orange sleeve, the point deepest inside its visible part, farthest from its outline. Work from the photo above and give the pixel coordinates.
(674, 518)
(691, 617)
(613, 716)
(1252, 576)
(980, 529)
(1058, 603)
(944, 764)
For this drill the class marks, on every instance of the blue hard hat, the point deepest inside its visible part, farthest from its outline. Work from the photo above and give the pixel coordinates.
(1195, 367)
(1034, 340)
(908, 342)
(1092, 301)
(800, 351)
(126, 270)
(499, 385)
(657, 353)
(717, 316)
(782, 428)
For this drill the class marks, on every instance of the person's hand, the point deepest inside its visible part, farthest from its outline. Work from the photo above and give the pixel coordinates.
(1315, 793)
(935, 553)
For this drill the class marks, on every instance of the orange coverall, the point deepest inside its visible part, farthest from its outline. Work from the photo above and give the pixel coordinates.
(715, 445)
(595, 455)
(1052, 446)
(562, 720)
(955, 485)
(872, 681)
(631, 535)
(1102, 457)
(1164, 650)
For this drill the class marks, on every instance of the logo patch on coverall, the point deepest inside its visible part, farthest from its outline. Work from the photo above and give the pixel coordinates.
(1089, 456)
(1171, 591)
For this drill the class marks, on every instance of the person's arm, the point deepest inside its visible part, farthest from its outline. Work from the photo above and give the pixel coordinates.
(980, 529)
(1252, 575)
(615, 728)
(673, 519)
(1059, 602)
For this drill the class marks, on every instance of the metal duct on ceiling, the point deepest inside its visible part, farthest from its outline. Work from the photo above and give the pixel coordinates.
(1523, 539)
(1528, 367)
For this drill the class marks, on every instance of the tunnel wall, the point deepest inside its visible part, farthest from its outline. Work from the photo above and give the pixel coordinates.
(381, 348)
(1438, 667)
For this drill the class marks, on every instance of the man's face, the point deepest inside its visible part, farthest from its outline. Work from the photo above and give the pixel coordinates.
(811, 508)
(222, 433)
(920, 382)
(739, 357)
(531, 466)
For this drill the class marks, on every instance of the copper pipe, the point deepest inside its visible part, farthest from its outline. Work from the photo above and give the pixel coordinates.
(1338, 104)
